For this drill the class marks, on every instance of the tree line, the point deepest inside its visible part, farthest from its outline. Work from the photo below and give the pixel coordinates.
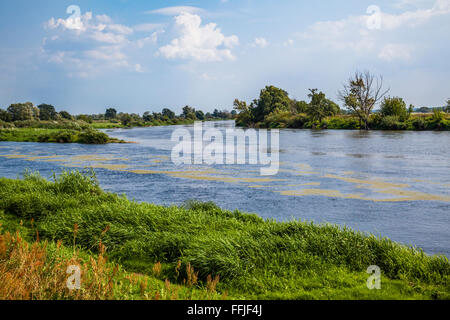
(359, 95)
(45, 112)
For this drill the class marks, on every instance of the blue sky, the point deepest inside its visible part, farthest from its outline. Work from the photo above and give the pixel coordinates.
(146, 55)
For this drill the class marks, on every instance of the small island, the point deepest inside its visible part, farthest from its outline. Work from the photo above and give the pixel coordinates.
(362, 93)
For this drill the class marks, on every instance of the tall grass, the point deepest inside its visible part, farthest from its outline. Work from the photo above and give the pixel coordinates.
(254, 258)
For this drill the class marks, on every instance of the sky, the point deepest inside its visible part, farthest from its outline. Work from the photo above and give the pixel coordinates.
(137, 56)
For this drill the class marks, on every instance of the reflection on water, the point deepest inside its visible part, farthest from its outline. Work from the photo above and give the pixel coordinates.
(393, 184)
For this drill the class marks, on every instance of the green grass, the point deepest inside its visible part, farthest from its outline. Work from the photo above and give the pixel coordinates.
(255, 258)
(416, 122)
(88, 136)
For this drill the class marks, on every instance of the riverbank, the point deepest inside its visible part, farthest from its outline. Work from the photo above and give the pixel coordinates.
(254, 258)
(72, 131)
(89, 136)
(416, 122)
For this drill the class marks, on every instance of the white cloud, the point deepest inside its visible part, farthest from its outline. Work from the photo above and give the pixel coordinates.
(138, 68)
(177, 10)
(353, 33)
(89, 45)
(288, 43)
(394, 51)
(197, 42)
(260, 42)
(414, 18)
(152, 39)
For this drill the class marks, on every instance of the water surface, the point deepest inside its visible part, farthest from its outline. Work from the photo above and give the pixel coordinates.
(394, 184)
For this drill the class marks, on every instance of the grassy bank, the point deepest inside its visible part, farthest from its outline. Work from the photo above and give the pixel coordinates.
(416, 122)
(254, 258)
(156, 123)
(38, 271)
(63, 131)
(56, 136)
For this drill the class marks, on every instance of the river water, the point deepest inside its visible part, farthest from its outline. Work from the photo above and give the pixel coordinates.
(393, 184)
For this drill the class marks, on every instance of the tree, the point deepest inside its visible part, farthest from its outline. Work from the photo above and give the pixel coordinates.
(110, 113)
(361, 94)
(125, 118)
(85, 118)
(168, 113)
(22, 111)
(147, 116)
(188, 113)
(47, 112)
(394, 107)
(320, 107)
(447, 108)
(245, 114)
(65, 115)
(270, 99)
(5, 116)
(200, 115)
(299, 106)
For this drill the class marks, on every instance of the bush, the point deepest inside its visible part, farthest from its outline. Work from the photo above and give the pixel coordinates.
(298, 121)
(59, 136)
(277, 119)
(6, 125)
(93, 137)
(392, 123)
(394, 107)
(418, 123)
(342, 123)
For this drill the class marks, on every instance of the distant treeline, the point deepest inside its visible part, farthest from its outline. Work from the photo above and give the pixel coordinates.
(360, 95)
(22, 112)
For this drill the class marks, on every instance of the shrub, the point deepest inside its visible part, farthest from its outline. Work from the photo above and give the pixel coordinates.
(418, 123)
(93, 137)
(297, 121)
(342, 123)
(392, 123)
(277, 119)
(394, 107)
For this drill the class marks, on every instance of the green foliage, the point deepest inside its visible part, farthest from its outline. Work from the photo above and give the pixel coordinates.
(255, 258)
(320, 107)
(297, 121)
(277, 119)
(169, 114)
(300, 106)
(274, 109)
(65, 115)
(47, 112)
(188, 113)
(84, 117)
(23, 111)
(199, 115)
(392, 123)
(93, 137)
(110, 113)
(394, 107)
(271, 99)
(5, 116)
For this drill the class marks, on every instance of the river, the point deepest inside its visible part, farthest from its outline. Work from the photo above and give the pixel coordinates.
(393, 184)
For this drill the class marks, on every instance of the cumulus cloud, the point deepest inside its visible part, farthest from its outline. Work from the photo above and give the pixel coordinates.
(394, 51)
(199, 42)
(355, 33)
(90, 44)
(260, 42)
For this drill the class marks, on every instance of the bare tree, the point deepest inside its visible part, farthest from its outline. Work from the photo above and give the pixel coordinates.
(361, 94)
